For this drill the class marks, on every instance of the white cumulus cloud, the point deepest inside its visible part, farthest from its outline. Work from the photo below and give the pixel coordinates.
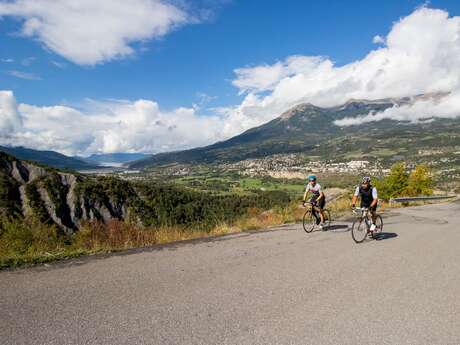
(422, 110)
(88, 32)
(109, 126)
(378, 39)
(419, 55)
(266, 77)
(10, 118)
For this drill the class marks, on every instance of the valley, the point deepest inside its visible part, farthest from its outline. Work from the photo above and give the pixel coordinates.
(306, 139)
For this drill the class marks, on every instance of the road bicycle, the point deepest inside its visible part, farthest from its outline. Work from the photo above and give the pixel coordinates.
(312, 218)
(361, 227)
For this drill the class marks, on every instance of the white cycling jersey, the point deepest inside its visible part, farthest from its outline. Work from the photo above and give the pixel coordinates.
(315, 190)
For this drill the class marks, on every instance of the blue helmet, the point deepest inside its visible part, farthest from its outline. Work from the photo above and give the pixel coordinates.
(312, 178)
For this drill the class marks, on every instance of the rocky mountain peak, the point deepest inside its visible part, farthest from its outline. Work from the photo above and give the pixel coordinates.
(298, 109)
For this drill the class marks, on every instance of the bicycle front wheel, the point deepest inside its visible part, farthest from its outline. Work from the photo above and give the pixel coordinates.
(309, 221)
(359, 230)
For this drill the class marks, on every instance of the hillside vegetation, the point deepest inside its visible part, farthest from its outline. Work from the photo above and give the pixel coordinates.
(46, 214)
(54, 211)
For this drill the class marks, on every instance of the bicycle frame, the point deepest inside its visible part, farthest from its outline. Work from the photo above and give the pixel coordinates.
(314, 209)
(316, 213)
(363, 213)
(313, 206)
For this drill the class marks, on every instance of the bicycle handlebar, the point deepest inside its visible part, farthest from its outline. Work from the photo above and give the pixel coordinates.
(311, 203)
(357, 209)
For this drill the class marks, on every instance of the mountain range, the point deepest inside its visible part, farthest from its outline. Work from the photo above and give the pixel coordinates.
(311, 130)
(305, 129)
(51, 158)
(114, 159)
(58, 160)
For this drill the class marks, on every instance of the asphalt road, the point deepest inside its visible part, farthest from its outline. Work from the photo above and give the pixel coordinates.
(274, 287)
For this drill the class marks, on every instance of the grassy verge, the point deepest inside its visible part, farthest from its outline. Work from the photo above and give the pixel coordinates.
(32, 242)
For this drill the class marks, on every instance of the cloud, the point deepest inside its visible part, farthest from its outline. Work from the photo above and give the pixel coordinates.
(419, 55)
(204, 98)
(108, 126)
(89, 32)
(60, 65)
(23, 75)
(7, 60)
(10, 119)
(378, 39)
(422, 110)
(28, 61)
(266, 77)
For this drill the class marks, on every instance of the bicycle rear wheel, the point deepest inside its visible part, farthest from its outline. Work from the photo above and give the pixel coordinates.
(378, 226)
(309, 221)
(379, 223)
(327, 218)
(359, 230)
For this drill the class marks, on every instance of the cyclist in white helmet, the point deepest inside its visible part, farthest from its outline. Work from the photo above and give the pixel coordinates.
(318, 198)
(369, 198)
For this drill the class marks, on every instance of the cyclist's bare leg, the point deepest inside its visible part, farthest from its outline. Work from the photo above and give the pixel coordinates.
(321, 213)
(373, 216)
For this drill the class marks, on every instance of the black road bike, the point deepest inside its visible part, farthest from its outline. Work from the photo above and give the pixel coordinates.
(361, 228)
(312, 218)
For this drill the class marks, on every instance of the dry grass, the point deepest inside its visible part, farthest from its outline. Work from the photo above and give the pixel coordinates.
(293, 213)
(40, 243)
(117, 235)
(29, 241)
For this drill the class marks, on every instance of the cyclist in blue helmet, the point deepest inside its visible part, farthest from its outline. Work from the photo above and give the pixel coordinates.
(318, 198)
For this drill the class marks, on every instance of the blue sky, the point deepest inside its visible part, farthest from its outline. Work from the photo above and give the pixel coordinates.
(193, 63)
(200, 58)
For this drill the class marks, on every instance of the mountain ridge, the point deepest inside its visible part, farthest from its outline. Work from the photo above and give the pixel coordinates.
(48, 157)
(65, 199)
(309, 129)
(118, 157)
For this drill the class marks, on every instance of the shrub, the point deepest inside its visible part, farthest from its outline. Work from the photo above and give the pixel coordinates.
(9, 196)
(24, 240)
(395, 183)
(419, 182)
(400, 183)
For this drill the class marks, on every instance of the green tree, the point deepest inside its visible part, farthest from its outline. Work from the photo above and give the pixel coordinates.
(420, 182)
(395, 183)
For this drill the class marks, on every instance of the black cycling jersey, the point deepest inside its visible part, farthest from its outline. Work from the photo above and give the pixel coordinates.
(366, 196)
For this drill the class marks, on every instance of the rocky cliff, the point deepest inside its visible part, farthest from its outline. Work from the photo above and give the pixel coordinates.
(65, 199)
